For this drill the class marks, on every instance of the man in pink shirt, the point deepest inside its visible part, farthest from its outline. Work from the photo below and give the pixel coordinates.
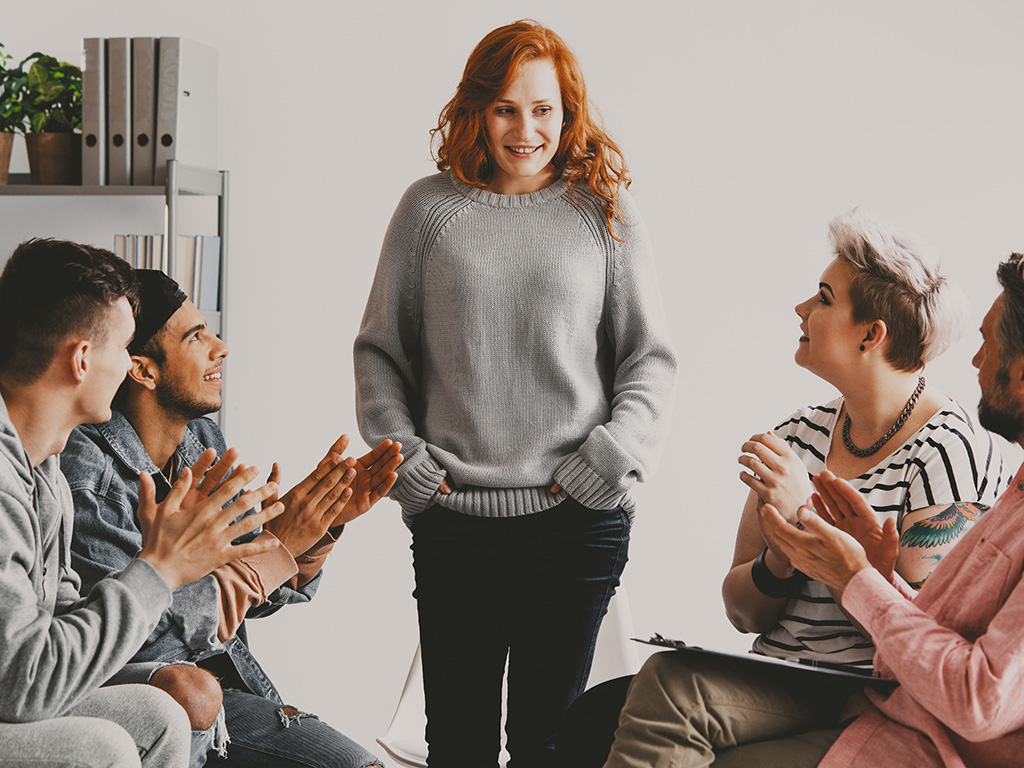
(956, 647)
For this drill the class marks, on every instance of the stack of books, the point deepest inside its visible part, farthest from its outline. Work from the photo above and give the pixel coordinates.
(146, 100)
(197, 263)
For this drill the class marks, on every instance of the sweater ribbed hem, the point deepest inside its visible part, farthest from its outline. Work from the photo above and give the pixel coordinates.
(499, 503)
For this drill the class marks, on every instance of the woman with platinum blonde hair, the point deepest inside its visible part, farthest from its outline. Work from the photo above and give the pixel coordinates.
(514, 342)
(881, 312)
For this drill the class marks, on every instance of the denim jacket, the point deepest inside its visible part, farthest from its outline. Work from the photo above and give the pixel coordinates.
(102, 463)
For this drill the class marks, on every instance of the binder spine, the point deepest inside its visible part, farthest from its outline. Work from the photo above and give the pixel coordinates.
(143, 109)
(169, 58)
(186, 121)
(119, 111)
(94, 112)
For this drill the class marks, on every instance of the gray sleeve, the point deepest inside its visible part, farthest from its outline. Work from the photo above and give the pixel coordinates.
(48, 662)
(626, 448)
(387, 388)
(70, 587)
(107, 540)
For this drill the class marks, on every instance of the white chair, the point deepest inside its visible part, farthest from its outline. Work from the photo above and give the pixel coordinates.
(614, 656)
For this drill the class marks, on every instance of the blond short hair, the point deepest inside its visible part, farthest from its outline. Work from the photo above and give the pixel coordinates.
(898, 281)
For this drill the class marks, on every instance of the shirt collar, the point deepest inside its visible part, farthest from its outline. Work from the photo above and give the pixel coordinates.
(126, 444)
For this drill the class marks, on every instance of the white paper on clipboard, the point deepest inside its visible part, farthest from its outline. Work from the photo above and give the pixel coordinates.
(808, 666)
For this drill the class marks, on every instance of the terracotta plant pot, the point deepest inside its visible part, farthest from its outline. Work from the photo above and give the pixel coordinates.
(6, 142)
(55, 158)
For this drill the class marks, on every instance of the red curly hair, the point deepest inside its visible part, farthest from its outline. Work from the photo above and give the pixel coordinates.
(585, 151)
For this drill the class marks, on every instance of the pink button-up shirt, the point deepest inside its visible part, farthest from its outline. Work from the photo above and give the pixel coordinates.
(957, 649)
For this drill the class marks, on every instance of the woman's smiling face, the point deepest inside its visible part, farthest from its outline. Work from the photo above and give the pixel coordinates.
(830, 339)
(524, 126)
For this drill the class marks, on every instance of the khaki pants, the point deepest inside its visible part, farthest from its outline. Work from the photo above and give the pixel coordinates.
(684, 711)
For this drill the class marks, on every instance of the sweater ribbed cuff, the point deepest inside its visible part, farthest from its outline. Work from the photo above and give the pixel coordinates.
(581, 482)
(416, 486)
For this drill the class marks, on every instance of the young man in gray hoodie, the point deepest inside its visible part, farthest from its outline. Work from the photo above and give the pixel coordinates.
(66, 319)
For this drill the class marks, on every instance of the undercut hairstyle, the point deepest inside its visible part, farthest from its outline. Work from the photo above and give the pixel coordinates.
(897, 281)
(1011, 321)
(52, 291)
(586, 154)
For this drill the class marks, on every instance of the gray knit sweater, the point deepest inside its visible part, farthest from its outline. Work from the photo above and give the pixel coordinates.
(56, 647)
(509, 342)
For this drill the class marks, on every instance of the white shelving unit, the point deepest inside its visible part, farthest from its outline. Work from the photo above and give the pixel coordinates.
(181, 180)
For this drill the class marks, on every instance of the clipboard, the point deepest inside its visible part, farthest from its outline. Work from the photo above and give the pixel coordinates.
(807, 666)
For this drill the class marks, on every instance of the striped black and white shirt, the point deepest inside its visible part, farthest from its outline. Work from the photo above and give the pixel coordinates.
(949, 459)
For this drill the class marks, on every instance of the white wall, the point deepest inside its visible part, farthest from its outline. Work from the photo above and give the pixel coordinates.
(747, 125)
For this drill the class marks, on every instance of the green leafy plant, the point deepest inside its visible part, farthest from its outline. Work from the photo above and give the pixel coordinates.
(12, 115)
(50, 94)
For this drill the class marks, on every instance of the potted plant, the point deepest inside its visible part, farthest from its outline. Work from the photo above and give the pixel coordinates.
(51, 100)
(12, 118)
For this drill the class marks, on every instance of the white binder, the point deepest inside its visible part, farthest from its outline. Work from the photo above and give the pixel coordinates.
(119, 111)
(207, 277)
(185, 265)
(94, 112)
(143, 109)
(186, 114)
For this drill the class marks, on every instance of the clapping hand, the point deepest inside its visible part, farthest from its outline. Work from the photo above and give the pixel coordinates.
(185, 542)
(775, 473)
(312, 506)
(842, 505)
(375, 475)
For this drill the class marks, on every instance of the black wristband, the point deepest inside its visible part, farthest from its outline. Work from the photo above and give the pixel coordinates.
(769, 584)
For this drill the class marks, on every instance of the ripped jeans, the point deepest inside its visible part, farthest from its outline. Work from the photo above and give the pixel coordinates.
(265, 735)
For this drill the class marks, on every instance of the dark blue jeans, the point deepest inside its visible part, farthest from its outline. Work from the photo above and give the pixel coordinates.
(533, 589)
(264, 737)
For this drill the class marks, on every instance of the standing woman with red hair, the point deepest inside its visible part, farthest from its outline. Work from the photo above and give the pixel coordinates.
(514, 342)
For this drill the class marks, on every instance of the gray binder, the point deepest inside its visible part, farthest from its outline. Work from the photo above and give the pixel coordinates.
(94, 112)
(119, 111)
(143, 109)
(186, 114)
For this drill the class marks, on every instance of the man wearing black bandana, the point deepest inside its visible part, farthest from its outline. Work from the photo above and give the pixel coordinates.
(198, 652)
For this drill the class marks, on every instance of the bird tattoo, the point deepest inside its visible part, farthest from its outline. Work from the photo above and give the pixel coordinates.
(944, 527)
